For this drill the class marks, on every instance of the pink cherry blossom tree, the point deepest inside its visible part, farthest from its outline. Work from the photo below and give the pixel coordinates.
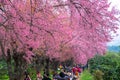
(62, 29)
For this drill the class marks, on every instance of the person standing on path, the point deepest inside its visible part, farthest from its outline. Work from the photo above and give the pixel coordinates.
(39, 77)
(27, 77)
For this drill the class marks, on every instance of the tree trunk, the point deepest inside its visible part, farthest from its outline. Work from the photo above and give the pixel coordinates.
(47, 65)
(9, 65)
(10, 71)
(19, 66)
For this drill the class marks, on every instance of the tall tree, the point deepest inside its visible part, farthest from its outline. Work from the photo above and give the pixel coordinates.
(78, 28)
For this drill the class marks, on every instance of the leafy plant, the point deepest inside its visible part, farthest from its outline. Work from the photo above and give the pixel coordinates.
(108, 64)
(3, 70)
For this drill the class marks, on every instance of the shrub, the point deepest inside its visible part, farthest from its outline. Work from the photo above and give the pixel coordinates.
(108, 64)
(98, 75)
(3, 70)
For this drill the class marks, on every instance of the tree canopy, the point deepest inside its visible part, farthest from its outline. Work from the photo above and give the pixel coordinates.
(60, 29)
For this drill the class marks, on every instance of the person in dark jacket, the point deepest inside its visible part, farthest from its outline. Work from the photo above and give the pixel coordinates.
(62, 76)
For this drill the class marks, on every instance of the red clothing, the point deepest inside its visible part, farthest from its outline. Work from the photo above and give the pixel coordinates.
(78, 69)
(74, 69)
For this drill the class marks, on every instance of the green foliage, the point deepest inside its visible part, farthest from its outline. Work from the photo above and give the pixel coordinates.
(86, 75)
(32, 73)
(3, 70)
(108, 64)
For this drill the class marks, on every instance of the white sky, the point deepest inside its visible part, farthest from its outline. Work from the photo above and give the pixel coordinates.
(116, 40)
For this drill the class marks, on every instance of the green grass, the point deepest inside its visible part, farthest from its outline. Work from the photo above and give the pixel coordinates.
(86, 75)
